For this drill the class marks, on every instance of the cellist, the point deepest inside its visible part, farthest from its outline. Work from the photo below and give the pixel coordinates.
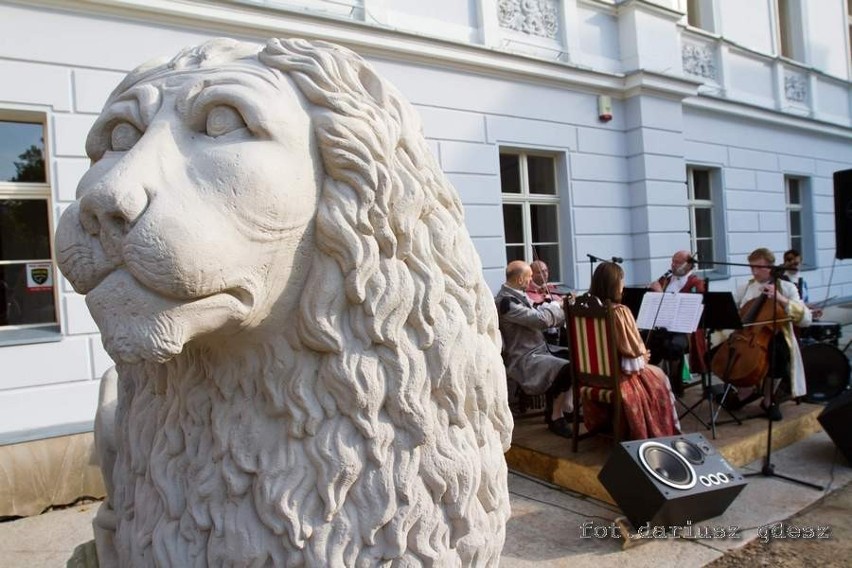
(787, 361)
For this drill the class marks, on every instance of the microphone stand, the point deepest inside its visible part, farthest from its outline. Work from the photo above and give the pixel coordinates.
(768, 469)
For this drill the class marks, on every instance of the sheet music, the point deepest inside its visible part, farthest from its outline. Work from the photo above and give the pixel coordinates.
(677, 312)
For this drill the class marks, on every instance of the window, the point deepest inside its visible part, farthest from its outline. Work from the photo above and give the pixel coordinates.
(699, 14)
(701, 221)
(531, 209)
(795, 213)
(790, 39)
(849, 22)
(27, 298)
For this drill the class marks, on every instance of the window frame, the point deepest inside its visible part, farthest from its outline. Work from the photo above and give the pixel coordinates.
(806, 245)
(716, 207)
(526, 199)
(13, 334)
(789, 34)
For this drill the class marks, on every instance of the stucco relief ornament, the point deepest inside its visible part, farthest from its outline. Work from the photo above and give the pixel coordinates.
(531, 17)
(699, 60)
(307, 356)
(795, 88)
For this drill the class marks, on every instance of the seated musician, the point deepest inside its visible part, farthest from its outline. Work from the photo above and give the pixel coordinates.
(528, 359)
(792, 262)
(672, 346)
(648, 402)
(787, 360)
(540, 290)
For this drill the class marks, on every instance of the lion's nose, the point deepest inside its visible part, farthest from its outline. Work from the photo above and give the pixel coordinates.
(109, 213)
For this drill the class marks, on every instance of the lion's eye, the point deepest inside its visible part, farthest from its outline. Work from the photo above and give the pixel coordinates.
(223, 119)
(123, 136)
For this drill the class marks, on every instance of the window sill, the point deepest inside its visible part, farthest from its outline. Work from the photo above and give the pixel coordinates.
(24, 336)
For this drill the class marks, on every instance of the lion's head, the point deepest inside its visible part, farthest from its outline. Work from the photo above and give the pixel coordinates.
(269, 230)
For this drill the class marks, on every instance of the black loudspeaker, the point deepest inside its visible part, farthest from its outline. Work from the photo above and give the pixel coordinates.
(669, 481)
(836, 419)
(843, 213)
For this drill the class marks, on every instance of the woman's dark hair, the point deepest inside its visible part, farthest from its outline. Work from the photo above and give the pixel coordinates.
(606, 282)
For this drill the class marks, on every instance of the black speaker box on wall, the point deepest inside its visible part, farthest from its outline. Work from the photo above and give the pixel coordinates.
(836, 420)
(843, 213)
(669, 481)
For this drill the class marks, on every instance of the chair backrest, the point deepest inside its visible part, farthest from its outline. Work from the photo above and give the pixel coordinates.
(591, 331)
(595, 364)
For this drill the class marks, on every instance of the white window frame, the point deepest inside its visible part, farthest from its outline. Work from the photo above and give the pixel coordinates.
(525, 198)
(700, 14)
(36, 332)
(806, 244)
(712, 205)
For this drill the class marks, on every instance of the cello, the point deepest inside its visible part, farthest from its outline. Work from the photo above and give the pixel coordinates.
(743, 359)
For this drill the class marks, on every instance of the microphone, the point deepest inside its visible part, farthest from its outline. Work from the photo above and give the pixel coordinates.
(617, 259)
(667, 274)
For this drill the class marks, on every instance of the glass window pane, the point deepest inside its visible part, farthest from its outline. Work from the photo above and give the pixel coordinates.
(513, 224)
(544, 223)
(795, 222)
(542, 175)
(514, 253)
(26, 294)
(703, 223)
(24, 233)
(705, 253)
(549, 254)
(701, 185)
(794, 197)
(796, 243)
(21, 152)
(510, 173)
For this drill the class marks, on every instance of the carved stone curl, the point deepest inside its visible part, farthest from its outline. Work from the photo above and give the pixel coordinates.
(795, 88)
(307, 357)
(699, 60)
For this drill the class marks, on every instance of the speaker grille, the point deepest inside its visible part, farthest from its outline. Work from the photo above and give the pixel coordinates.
(667, 465)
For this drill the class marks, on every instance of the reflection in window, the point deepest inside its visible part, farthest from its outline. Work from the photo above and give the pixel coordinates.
(531, 209)
(27, 298)
(21, 152)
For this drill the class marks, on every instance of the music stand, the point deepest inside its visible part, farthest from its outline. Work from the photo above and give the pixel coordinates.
(720, 312)
(632, 298)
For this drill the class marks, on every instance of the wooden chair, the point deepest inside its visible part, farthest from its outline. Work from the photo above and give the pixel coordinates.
(595, 364)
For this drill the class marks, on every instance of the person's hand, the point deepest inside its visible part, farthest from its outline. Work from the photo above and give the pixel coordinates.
(816, 313)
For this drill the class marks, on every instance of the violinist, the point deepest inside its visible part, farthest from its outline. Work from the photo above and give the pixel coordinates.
(787, 361)
(672, 346)
(540, 291)
(529, 362)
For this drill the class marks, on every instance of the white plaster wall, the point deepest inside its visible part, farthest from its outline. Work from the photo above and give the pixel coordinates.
(747, 23)
(598, 39)
(753, 159)
(826, 42)
(455, 19)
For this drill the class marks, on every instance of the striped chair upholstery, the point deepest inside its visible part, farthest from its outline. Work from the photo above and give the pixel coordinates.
(594, 358)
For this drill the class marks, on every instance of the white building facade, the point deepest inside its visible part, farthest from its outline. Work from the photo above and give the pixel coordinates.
(570, 128)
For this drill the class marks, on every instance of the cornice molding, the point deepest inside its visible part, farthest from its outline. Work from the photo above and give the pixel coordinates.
(751, 112)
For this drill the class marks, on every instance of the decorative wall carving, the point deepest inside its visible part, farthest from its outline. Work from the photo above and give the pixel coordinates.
(699, 60)
(795, 88)
(308, 366)
(532, 17)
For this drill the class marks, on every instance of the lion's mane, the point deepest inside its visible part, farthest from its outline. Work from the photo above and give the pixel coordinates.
(374, 428)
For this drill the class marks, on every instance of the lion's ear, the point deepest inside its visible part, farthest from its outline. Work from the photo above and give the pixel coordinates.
(372, 84)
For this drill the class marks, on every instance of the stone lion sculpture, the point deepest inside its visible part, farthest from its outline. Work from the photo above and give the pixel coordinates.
(307, 357)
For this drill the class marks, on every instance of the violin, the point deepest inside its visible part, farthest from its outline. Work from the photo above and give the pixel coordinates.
(743, 359)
